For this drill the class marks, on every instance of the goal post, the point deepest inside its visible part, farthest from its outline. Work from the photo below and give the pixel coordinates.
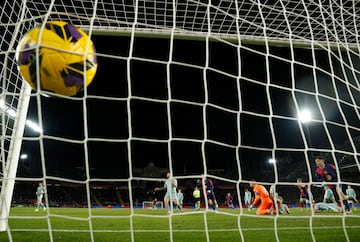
(10, 157)
(201, 88)
(152, 205)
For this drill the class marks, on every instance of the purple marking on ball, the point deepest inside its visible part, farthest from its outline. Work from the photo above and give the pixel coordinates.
(74, 32)
(24, 57)
(95, 57)
(71, 80)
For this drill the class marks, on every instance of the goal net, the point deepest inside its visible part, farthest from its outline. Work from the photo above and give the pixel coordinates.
(224, 90)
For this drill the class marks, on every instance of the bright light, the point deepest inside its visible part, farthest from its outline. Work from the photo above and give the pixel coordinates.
(2, 103)
(11, 112)
(23, 156)
(305, 116)
(272, 161)
(33, 126)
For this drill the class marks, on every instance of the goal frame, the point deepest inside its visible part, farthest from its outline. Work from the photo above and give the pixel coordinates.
(152, 205)
(11, 164)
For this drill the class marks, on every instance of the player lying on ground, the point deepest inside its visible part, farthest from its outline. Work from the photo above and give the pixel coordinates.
(322, 206)
(282, 207)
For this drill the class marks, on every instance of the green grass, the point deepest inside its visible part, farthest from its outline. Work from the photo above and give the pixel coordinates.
(73, 224)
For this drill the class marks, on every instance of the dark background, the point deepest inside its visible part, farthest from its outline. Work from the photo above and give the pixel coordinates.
(203, 110)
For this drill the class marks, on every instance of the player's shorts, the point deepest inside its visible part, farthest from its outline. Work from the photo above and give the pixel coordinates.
(171, 196)
(211, 196)
(197, 199)
(247, 201)
(39, 197)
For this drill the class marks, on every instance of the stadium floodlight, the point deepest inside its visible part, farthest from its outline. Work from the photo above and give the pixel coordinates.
(12, 113)
(305, 116)
(23, 156)
(34, 126)
(272, 161)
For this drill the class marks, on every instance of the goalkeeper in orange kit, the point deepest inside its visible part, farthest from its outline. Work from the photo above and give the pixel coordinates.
(266, 205)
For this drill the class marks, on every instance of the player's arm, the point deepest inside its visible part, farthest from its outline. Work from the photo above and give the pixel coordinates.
(318, 176)
(160, 188)
(256, 199)
(323, 184)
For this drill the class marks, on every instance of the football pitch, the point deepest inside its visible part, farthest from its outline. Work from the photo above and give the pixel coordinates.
(74, 224)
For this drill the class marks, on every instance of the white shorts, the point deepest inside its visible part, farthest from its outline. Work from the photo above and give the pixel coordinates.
(171, 196)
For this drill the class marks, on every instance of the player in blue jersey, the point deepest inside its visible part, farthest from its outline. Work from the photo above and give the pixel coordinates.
(170, 197)
(327, 173)
(209, 189)
(304, 193)
(229, 200)
(40, 191)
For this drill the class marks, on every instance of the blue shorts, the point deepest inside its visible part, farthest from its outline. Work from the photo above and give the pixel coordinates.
(211, 196)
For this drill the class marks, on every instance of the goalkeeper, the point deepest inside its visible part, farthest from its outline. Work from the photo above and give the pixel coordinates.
(266, 205)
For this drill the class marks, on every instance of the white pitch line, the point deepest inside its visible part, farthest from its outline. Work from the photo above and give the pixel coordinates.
(178, 231)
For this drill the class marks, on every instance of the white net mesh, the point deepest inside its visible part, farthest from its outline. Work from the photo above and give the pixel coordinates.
(214, 90)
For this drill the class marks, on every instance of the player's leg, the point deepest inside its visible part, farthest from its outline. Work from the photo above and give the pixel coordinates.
(210, 203)
(285, 207)
(262, 209)
(166, 202)
(343, 198)
(302, 202)
(41, 204)
(177, 204)
(37, 204)
(213, 201)
(266, 207)
(334, 207)
(198, 204)
(248, 204)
